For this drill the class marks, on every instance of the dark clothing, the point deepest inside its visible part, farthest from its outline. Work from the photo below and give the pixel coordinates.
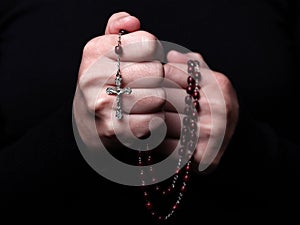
(255, 43)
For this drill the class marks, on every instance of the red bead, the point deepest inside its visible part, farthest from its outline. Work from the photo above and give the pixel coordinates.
(190, 89)
(191, 80)
(186, 178)
(196, 106)
(183, 188)
(188, 167)
(175, 206)
(196, 95)
(149, 205)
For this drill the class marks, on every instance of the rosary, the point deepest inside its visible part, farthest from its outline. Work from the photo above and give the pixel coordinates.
(188, 143)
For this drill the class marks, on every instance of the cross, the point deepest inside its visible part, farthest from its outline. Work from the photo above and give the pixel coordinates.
(119, 92)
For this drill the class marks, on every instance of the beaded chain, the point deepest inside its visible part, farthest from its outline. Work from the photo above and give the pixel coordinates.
(188, 142)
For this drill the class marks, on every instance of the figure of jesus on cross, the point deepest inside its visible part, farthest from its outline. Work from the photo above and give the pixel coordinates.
(119, 92)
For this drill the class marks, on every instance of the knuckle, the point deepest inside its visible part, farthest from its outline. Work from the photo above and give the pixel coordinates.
(102, 103)
(147, 36)
(150, 45)
(223, 81)
(105, 129)
(156, 99)
(90, 46)
(199, 56)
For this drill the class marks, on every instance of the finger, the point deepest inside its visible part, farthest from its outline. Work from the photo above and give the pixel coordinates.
(141, 75)
(174, 124)
(177, 57)
(176, 70)
(139, 125)
(134, 75)
(137, 46)
(140, 101)
(175, 101)
(122, 20)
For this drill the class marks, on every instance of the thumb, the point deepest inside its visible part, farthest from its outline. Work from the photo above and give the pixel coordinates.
(122, 20)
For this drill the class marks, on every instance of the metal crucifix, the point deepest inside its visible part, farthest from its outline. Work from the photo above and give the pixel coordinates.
(118, 91)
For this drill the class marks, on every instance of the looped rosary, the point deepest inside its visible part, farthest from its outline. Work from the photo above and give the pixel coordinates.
(188, 141)
(118, 80)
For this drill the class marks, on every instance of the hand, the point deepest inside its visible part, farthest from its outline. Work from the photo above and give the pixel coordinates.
(94, 108)
(219, 108)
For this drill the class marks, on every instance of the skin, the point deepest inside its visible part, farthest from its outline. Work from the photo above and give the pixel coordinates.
(92, 104)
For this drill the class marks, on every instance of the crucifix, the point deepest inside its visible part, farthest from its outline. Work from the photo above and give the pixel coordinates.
(118, 91)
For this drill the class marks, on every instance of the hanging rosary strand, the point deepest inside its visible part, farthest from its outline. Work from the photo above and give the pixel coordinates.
(188, 143)
(118, 91)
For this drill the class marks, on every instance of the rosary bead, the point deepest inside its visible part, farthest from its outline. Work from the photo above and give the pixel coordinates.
(197, 75)
(175, 206)
(187, 111)
(190, 69)
(190, 89)
(183, 141)
(187, 168)
(186, 178)
(186, 121)
(122, 32)
(193, 125)
(188, 100)
(191, 63)
(118, 50)
(191, 80)
(196, 95)
(194, 115)
(191, 146)
(193, 136)
(184, 130)
(196, 106)
(181, 151)
(149, 205)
